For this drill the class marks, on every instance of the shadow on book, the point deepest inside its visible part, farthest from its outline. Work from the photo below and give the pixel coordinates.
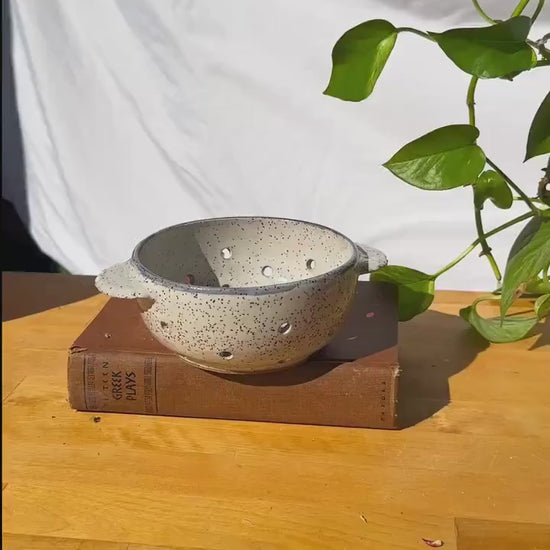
(289, 377)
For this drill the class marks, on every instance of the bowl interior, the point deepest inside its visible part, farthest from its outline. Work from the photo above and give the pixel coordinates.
(244, 252)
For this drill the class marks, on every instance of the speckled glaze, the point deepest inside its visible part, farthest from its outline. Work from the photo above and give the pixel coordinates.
(243, 295)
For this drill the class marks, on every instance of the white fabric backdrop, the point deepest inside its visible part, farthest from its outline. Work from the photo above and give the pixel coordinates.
(138, 114)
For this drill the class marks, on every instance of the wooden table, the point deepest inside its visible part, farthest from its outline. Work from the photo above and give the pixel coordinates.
(471, 467)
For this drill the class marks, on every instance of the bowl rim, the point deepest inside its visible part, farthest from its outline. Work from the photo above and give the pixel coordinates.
(243, 290)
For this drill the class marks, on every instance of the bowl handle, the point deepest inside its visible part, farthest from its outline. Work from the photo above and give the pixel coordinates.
(369, 259)
(122, 281)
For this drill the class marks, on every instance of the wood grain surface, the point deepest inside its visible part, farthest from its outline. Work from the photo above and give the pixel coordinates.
(476, 534)
(475, 444)
(32, 542)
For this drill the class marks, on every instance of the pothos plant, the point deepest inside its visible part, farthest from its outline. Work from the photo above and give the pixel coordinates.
(449, 157)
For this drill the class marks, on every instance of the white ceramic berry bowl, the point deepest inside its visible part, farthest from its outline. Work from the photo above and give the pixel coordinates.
(244, 294)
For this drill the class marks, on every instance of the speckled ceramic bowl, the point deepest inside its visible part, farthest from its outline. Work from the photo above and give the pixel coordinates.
(243, 295)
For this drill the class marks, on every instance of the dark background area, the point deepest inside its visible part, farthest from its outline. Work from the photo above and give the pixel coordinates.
(20, 252)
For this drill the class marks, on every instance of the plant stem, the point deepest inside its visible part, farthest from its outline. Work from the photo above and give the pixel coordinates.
(470, 100)
(485, 248)
(537, 11)
(481, 12)
(519, 8)
(525, 198)
(415, 31)
(508, 224)
(494, 231)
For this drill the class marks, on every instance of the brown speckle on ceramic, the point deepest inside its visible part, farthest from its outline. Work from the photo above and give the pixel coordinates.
(243, 295)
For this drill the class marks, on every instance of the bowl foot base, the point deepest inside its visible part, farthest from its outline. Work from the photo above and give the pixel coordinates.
(245, 370)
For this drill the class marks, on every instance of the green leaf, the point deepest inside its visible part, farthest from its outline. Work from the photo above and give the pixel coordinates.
(358, 59)
(542, 306)
(442, 159)
(530, 254)
(509, 329)
(529, 229)
(490, 52)
(491, 185)
(538, 141)
(415, 289)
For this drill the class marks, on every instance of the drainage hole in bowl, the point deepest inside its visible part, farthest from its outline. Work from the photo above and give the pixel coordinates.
(189, 279)
(267, 271)
(310, 264)
(285, 327)
(226, 355)
(226, 253)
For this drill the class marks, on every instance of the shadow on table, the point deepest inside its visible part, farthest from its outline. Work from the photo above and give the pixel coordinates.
(433, 347)
(544, 335)
(28, 293)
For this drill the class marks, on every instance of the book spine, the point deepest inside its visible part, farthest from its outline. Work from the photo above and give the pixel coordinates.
(358, 394)
(113, 382)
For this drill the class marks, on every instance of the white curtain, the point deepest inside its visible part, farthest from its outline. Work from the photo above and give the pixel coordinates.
(138, 114)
